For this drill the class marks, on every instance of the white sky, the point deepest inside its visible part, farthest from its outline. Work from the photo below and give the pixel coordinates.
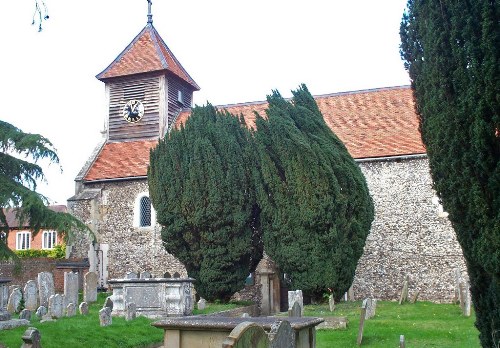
(237, 51)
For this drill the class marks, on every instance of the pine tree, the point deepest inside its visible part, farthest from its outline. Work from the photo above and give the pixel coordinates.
(201, 181)
(19, 174)
(316, 209)
(451, 51)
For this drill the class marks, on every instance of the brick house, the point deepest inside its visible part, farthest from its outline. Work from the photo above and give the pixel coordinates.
(149, 92)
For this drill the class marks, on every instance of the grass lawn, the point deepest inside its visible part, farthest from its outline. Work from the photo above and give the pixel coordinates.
(424, 324)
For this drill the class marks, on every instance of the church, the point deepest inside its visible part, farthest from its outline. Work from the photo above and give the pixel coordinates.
(148, 92)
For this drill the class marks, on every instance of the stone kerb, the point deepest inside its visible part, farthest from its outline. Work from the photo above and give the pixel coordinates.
(281, 335)
(71, 288)
(31, 295)
(246, 335)
(90, 280)
(45, 287)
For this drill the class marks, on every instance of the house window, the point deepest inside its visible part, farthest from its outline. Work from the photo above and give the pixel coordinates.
(144, 214)
(3, 237)
(49, 239)
(23, 240)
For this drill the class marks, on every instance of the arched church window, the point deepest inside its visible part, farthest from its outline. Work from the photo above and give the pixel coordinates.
(144, 215)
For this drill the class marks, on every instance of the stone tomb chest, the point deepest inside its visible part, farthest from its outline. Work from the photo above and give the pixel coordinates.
(153, 297)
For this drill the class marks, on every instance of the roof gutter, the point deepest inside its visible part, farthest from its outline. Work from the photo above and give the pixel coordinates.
(391, 158)
(115, 179)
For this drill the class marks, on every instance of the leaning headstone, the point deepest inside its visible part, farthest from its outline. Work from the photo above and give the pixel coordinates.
(70, 287)
(90, 280)
(404, 292)
(295, 311)
(130, 312)
(331, 302)
(108, 303)
(402, 341)
(71, 310)
(56, 306)
(14, 304)
(45, 287)
(201, 304)
(41, 311)
(31, 338)
(83, 308)
(131, 275)
(371, 306)
(295, 296)
(361, 324)
(281, 335)
(105, 316)
(246, 335)
(145, 275)
(31, 295)
(25, 314)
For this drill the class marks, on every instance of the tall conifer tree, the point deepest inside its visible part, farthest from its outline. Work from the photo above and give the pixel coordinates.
(316, 209)
(201, 182)
(451, 49)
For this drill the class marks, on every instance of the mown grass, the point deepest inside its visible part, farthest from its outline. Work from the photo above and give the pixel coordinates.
(424, 324)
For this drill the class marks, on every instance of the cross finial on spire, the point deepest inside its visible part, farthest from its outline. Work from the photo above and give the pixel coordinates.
(150, 16)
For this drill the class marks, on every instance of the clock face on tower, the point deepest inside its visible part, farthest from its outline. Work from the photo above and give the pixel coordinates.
(133, 111)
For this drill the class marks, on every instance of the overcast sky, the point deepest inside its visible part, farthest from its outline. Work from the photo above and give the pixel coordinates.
(237, 51)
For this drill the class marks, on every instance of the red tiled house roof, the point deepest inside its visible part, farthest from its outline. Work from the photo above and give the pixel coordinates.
(146, 53)
(371, 123)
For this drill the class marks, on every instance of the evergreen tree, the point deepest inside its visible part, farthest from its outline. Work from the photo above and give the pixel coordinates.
(19, 174)
(451, 51)
(201, 182)
(316, 209)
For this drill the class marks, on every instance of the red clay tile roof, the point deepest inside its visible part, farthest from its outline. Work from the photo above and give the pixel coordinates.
(121, 160)
(371, 123)
(147, 52)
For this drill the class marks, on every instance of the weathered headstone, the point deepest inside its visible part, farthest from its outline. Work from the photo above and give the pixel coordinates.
(371, 306)
(245, 315)
(457, 286)
(145, 275)
(130, 312)
(131, 275)
(56, 306)
(45, 287)
(31, 338)
(108, 303)
(105, 316)
(41, 311)
(90, 280)
(415, 297)
(13, 306)
(295, 296)
(25, 314)
(71, 310)
(402, 341)
(361, 324)
(331, 302)
(31, 295)
(70, 288)
(246, 335)
(467, 301)
(4, 315)
(350, 294)
(83, 308)
(404, 291)
(281, 335)
(295, 311)
(202, 303)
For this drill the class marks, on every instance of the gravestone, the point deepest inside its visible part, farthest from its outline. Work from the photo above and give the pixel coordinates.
(331, 302)
(45, 287)
(108, 303)
(415, 297)
(41, 311)
(295, 311)
(130, 312)
(457, 286)
(131, 275)
(105, 316)
(31, 295)
(90, 280)
(245, 315)
(361, 324)
(371, 306)
(404, 291)
(13, 306)
(145, 275)
(56, 306)
(335, 323)
(350, 294)
(31, 338)
(467, 301)
(71, 310)
(70, 288)
(83, 308)
(402, 341)
(281, 335)
(25, 314)
(202, 303)
(295, 296)
(246, 335)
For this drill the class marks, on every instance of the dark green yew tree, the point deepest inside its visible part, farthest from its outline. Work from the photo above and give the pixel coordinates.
(316, 208)
(201, 183)
(451, 50)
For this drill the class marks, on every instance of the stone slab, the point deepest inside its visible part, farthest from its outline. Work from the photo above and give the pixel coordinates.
(13, 323)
